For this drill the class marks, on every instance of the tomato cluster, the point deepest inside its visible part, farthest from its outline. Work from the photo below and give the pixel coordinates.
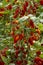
(38, 61)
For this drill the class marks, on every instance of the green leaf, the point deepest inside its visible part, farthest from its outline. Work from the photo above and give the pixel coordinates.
(23, 18)
(4, 2)
(40, 26)
(41, 56)
(42, 48)
(5, 12)
(11, 64)
(4, 59)
(12, 1)
(36, 0)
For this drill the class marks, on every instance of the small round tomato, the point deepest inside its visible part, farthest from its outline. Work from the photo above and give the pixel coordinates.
(41, 2)
(37, 59)
(38, 31)
(31, 23)
(3, 52)
(36, 5)
(16, 38)
(30, 41)
(38, 52)
(1, 63)
(9, 7)
(18, 62)
(21, 36)
(16, 13)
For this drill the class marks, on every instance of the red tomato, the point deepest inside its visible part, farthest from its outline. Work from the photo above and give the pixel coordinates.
(38, 52)
(1, 10)
(30, 41)
(9, 7)
(3, 52)
(1, 63)
(19, 62)
(41, 2)
(16, 12)
(22, 12)
(31, 24)
(36, 5)
(1, 14)
(26, 3)
(21, 36)
(37, 60)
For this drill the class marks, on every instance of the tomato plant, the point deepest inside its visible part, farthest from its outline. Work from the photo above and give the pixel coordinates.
(21, 32)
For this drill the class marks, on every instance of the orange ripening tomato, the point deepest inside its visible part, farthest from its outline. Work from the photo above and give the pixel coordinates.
(32, 33)
(16, 38)
(12, 34)
(15, 22)
(38, 31)
(34, 37)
